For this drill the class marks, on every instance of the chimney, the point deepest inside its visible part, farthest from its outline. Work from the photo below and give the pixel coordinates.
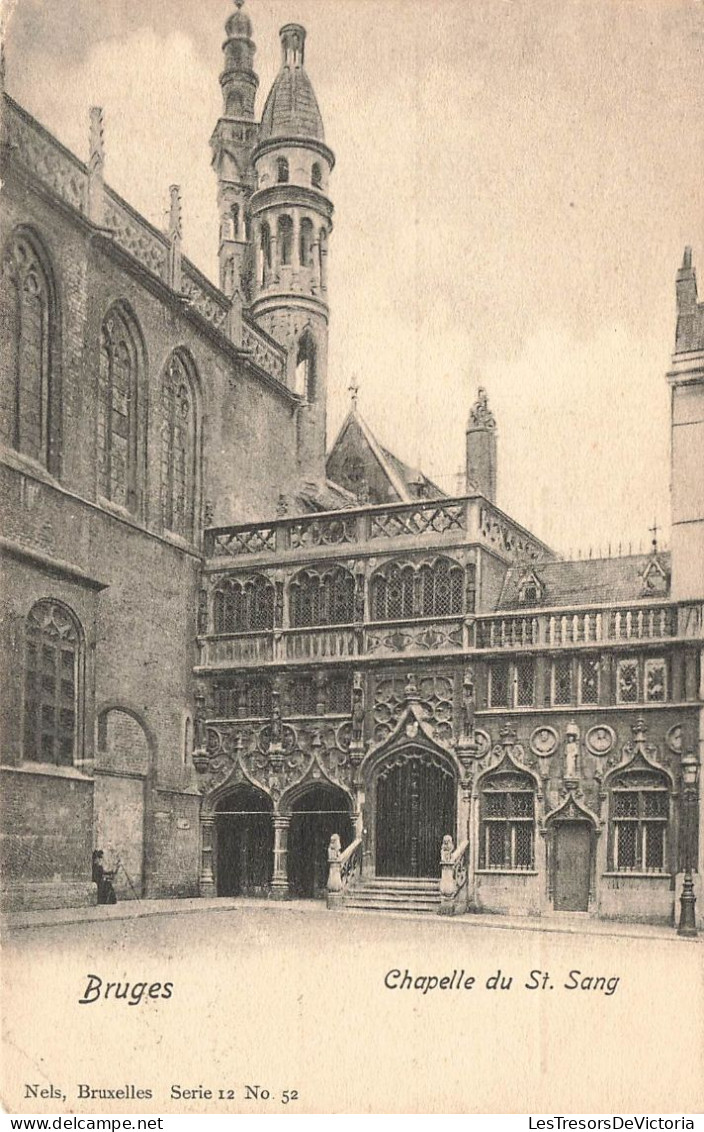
(481, 449)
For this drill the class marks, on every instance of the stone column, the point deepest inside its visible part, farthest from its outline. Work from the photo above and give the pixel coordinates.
(279, 886)
(207, 838)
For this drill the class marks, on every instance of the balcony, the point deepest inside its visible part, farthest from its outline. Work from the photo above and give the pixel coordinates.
(615, 626)
(460, 521)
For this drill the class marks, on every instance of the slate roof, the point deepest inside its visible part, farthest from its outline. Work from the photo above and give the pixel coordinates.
(588, 581)
(291, 110)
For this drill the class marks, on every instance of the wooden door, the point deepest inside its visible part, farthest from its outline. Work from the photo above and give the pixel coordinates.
(572, 863)
(415, 808)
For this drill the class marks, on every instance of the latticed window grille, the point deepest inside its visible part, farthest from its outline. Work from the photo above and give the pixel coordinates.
(244, 606)
(525, 683)
(301, 696)
(507, 822)
(400, 592)
(117, 411)
(655, 680)
(627, 682)
(322, 599)
(248, 698)
(52, 685)
(589, 680)
(178, 448)
(339, 695)
(499, 683)
(562, 680)
(29, 409)
(640, 808)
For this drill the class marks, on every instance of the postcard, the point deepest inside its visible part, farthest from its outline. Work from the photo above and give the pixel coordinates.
(352, 393)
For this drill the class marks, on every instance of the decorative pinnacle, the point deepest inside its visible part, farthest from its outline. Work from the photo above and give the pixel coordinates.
(97, 139)
(353, 389)
(654, 532)
(238, 4)
(175, 223)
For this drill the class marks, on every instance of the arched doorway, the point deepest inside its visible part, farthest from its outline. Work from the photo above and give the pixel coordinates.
(415, 808)
(315, 815)
(244, 843)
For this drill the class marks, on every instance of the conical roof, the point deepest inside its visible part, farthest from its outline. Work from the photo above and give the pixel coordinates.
(291, 110)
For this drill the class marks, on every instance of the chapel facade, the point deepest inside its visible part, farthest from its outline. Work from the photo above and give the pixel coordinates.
(249, 665)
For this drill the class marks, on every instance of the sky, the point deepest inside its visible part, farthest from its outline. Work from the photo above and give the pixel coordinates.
(515, 184)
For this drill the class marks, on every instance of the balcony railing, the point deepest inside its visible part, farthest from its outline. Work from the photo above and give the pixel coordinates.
(466, 519)
(419, 637)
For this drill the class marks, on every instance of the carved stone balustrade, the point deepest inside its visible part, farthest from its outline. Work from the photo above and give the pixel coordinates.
(610, 625)
(344, 869)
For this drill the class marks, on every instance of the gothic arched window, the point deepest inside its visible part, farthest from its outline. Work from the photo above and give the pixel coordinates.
(639, 817)
(285, 238)
(178, 447)
(265, 247)
(507, 821)
(400, 592)
(316, 175)
(52, 685)
(306, 242)
(244, 698)
(30, 416)
(118, 391)
(305, 368)
(282, 172)
(235, 213)
(322, 599)
(244, 606)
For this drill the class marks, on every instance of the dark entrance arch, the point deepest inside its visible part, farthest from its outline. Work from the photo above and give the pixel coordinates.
(315, 815)
(245, 843)
(572, 865)
(415, 808)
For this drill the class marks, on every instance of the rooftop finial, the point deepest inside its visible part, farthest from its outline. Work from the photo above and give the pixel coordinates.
(687, 259)
(353, 388)
(480, 415)
(654, 532)
(238, 4)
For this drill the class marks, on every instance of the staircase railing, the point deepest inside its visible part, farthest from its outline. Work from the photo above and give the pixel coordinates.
(454, 871)
(344, 869)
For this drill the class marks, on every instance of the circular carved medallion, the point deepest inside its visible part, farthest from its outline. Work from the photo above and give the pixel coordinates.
(544, 741)
(674, 739)
(483, 741)
(600, 739)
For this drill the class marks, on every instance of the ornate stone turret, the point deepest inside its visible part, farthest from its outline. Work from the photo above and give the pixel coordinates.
(481, 470)
(292, 218)
(232, 143)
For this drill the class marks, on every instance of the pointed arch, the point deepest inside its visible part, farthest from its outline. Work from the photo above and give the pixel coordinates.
(305, 242)
(180, 445)
(30, 400)
(121, 384)
(284, 236)
(306, 366)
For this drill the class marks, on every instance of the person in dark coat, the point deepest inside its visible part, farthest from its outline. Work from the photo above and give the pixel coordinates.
(103, 879)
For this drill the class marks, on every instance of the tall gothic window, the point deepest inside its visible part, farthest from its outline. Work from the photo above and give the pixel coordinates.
(316, 175)
(265, 238)
(322, 599)
(285, 238)
(52, 685)
(178, 448)
(244, 606)
(507, 821)
(282, 172)
(305, 367)
(640, 807)
(305, 251)
(30, 404)
(118, 385)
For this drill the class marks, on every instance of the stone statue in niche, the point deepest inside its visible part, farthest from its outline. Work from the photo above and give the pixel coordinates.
(468, 704)
(358, 708)
(572, 753)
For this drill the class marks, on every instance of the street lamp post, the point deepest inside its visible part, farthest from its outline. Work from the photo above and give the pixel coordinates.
(688, 901)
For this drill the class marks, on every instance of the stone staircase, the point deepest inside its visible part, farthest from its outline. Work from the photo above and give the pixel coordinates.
(394, 894)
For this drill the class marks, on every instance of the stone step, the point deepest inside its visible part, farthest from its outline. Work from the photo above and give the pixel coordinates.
(389, 906)
(394, 894)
